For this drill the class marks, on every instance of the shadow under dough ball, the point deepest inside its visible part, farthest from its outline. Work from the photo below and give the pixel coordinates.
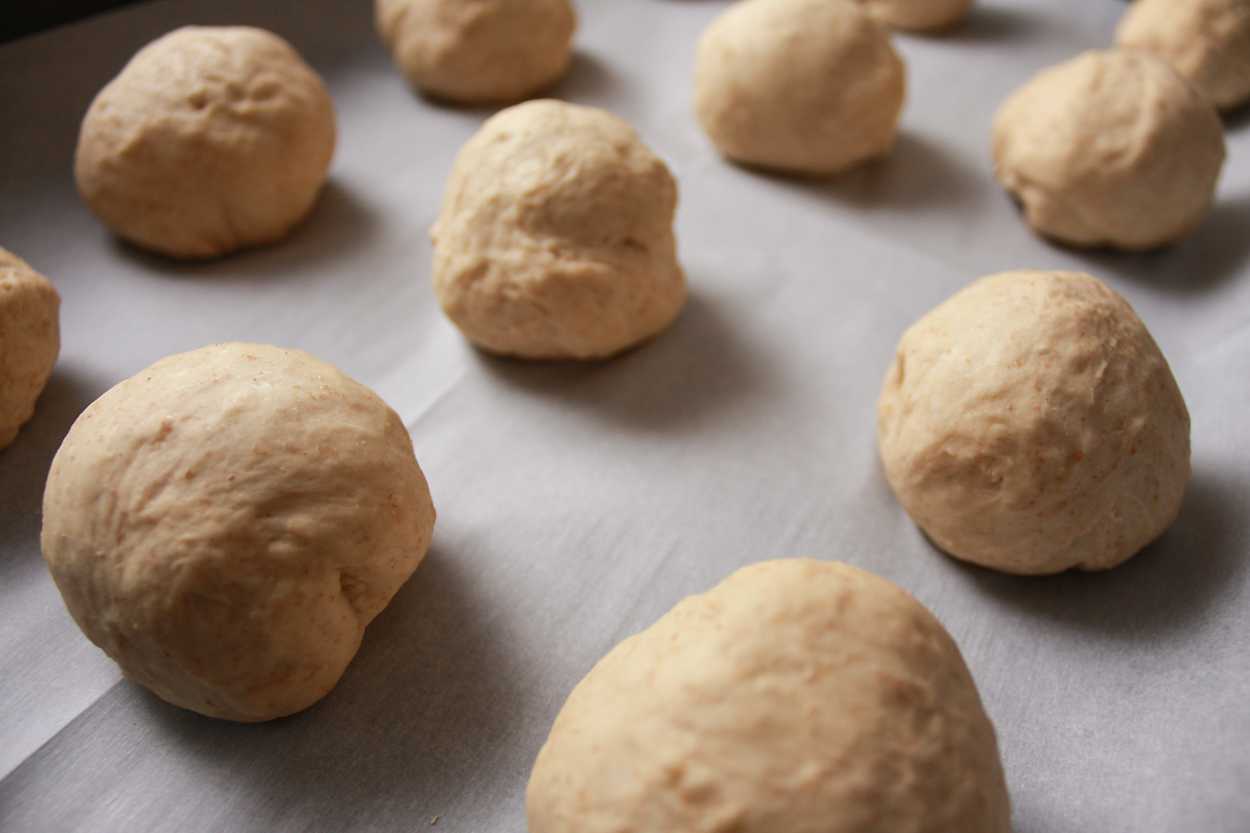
(555, 239)
(226, 523)
(211, 139)
(30, 340)
(1031, 424)
(1110, 148)
(801, 86)
(479, 51)
(795, 696)
(917, 15)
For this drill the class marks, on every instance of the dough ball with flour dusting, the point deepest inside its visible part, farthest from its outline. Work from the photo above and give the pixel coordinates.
(1031, 424)
(30, 340)
(225, 524)
(556, 239)
(919, 15)
(211, 139)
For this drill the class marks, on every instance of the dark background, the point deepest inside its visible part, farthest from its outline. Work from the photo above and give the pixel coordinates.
(15, 24)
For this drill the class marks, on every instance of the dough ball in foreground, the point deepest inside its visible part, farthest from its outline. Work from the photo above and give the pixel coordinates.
(802, 86)
(1207, 41)
(555, 239)
(477, 51)
(795, 696)
(226, 523)
(211, 139)
(1110, 149)
(30, 340)
(919, 15)
(1031, 424)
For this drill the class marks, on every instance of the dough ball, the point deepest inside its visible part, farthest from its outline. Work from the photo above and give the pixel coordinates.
(556, 236)
(803, 86)
(1110, 149)
(1207, 41)
(917, 15)
(796, 696)
(226, 523)
(1030, 424)
(477, 51)
(210, 140)
(30, 339)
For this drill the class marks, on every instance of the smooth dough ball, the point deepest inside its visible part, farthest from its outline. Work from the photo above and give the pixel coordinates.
(1207, 41)
(802, 86)
(477, 51)
(796, 696)
(1031, 424)
(917, 15)
(210, 140)
(30, 339)
(1110, 149)
(226, 523)
(556, 236)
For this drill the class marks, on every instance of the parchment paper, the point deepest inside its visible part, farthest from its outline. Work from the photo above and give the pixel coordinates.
(577, 504)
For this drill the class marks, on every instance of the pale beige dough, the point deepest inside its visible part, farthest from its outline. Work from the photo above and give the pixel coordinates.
(803, 86)
(555, 239)
(920, 15)
(211, 139)
(1207, 41)
(225, 523)
(1110, 148)
(797, 696)
(30, 340)
(477, 51)
(1031, 424)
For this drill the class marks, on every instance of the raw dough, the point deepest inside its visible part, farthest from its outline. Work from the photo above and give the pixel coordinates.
(1110, 148)
(556, 235)
(1031, 424)
(1207, 41)
(226, 523)
(796, 696)
(804, 86)
(210, 140)
(917, 14)
(476, 51)
(30, 339)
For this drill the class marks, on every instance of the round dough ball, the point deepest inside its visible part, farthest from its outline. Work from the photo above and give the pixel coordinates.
(210, 140)
(1207, 41)
(1110, 149)
(479, 51)
(801, 86)
(226, 523)
(30, 339)
(556, 236)
(917, 15)
(795, 696)
(1031, 424)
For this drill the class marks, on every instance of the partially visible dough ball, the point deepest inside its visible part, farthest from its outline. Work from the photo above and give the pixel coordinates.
(803, 86)
(30, 340)
(477, 51)
(1110, 149)
(211, 139)
(918, 15)
(1031, 424)
(796, 696)
(225, 523)
(1207, 41)
(555, 239)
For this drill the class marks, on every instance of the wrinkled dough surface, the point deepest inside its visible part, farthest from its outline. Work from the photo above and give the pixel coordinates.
(30, 340)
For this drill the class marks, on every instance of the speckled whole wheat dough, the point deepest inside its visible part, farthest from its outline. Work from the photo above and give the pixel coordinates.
(918, 15)
(225, 524)
(1031, 424)
(479, 51)
(1207, 41)
(796, 696)
(1110, 148)
(802, 86)
(211, 139)
(30, 340)
(556, 239)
